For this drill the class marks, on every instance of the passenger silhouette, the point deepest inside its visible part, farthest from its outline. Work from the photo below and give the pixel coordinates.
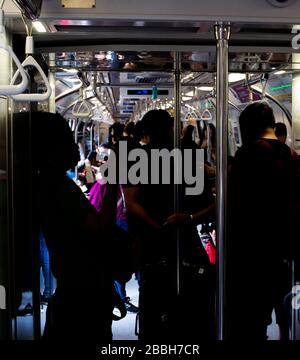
(260, 191)
(148, 206)
(81, 307)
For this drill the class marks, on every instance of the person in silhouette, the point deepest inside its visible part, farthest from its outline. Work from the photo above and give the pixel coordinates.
(81, 307)
(261, 186)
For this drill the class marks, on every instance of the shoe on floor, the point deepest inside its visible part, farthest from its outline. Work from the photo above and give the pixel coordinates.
(130, 307)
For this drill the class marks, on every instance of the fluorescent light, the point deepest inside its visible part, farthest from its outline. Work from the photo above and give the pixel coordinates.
(40, 27)
(73, 80)
(190, 107)
(71, 71)
(279, 72)
(233, 77)
(186, 98)
(190, 93)
(139, 23)
(283, 86)
(189, 76)
(206, 88)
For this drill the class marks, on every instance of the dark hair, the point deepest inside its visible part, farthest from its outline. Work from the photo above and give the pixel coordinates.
(254, 120)
(118, 129)
(188, 132)
(105, 146)
(92, 155)
(280, 129)
(51, 140)
(212, 134)
(158, 125)
(138, 131)
(129, 128)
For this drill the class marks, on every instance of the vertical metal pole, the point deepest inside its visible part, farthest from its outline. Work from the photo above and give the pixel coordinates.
(78, 121)
(11, 201)
(293, 317)
(222, 33)
(35, 245)
(51, 78)
(92, 134)
(177, 130)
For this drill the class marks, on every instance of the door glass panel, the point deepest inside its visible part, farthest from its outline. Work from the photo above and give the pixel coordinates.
(22, 221)
(272, 275)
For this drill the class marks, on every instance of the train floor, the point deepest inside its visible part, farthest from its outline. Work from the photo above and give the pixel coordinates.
(122, 330)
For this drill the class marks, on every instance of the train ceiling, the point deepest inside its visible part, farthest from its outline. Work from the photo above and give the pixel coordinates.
(111, 55)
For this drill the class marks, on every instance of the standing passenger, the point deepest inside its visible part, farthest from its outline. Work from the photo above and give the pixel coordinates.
(260, 192)
(81, 307)
(148, 206)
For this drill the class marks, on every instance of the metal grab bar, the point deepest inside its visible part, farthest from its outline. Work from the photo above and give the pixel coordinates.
(30, 61)
(10, 89)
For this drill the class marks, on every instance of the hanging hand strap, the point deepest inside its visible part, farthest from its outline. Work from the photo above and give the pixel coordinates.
(18, 88)
(82, 109)
(12, 89)
(30, 61)
(206, 115)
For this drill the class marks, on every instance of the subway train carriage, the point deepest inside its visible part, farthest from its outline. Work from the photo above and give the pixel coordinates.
(150, 170)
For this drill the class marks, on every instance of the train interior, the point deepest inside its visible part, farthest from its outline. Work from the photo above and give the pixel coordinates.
(106, 71)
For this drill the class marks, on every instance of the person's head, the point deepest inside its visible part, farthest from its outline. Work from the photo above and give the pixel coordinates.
(138, 134)
(187, 132)
(52, 143)
(157, 125)
(254, 120)
(281, 132)
(129, 129)
(116, 132)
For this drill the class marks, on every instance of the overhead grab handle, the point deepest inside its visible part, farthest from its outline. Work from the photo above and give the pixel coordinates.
(192, 115)
(82, 109)
(30, 61)
(10, 89)
(206, 115)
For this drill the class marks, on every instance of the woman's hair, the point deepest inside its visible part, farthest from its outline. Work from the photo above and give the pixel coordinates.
(280, 129)
(254, 120)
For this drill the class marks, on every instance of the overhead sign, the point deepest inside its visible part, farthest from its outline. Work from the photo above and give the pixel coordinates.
(78, 4)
